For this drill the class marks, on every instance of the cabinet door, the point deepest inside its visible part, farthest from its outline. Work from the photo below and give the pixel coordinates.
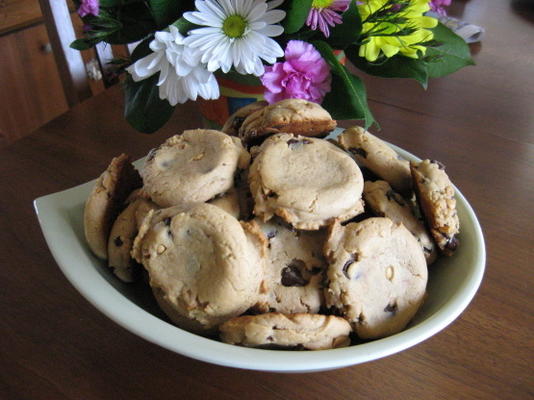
(30, 89)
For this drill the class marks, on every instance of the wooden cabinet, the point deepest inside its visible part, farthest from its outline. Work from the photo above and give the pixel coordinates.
(30, 89)
(31, 92)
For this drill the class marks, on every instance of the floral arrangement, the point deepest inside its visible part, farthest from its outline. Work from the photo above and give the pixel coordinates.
(289, 47)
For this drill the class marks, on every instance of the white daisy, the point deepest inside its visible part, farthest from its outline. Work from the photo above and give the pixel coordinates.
(237, 33)
(182, 75)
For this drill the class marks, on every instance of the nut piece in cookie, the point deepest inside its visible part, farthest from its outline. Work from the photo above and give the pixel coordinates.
(297, 116)
(193, 167)
(106, 200)
(435, 195)
(234, 122)
(385, 202)
(372, 153)
(122, 235)
(377, 275)
(293, 331)
(203, 269)
(294, 267)
(308, 182)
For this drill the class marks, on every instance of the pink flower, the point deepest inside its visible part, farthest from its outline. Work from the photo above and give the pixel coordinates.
(89, 7)
(324, 13)
(303, 75)
(437, 6)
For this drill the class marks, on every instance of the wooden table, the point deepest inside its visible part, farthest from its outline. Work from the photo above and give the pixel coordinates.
(479, 122)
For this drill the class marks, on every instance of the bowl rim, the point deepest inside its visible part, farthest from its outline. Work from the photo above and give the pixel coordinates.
(78, 266)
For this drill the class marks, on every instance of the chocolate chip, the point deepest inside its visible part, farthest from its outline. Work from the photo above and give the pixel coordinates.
(391, 195)
(296, 143)
(452, 243)
(438, 163)
(292, 274)
(358, 151)
(167, 221)
(237, 122)
(353, 258)
(316, 270)
(391, 308)
(271, 234)
(118, 241)
(369, 175)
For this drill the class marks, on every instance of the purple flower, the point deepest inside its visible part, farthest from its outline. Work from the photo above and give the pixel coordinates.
(324, 13)
(437, 6)
(303, 75)
(88, 7)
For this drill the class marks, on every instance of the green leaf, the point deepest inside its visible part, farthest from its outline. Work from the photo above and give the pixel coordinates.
(136, 23)
(82, 44)
(450, 56)
(349, 30)
(164, 11)
(143, 108)
(394, 67)
(110, 3)
(141, 50)
(348, 98)
(235, 76)
(184, 25)
(296, 13)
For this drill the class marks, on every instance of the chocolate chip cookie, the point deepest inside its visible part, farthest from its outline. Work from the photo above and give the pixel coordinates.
(308, 182)
(122, 235)
(294, 268)
(234, 122)
(193, 167)
(106, 200)
(385, 202)
(374, 154)
(300, 331)
(297, 116)
(377, 275)
(435, 195)
(203, 269)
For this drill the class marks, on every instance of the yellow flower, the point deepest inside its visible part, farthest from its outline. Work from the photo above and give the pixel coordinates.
(391, 27)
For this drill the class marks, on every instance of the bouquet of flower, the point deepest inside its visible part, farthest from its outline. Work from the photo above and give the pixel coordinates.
(288, 46)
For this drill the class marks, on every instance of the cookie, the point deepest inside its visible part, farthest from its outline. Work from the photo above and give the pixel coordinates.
(385, 202)
(377, 275)
(308, 182)
(297, 116)
(435, 195)
(374, 154)
(228, 202)
(193, 167)
(294, 268)
(234, 122)
(307, 331)
(106, 200)
(203, 270)
(122, 235)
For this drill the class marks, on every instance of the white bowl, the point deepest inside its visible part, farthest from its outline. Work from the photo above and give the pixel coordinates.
(453, 281)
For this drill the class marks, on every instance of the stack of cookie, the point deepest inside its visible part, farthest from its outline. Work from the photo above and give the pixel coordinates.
(267, 235)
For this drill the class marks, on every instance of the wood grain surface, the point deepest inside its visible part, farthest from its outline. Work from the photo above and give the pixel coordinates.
(479, 122)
